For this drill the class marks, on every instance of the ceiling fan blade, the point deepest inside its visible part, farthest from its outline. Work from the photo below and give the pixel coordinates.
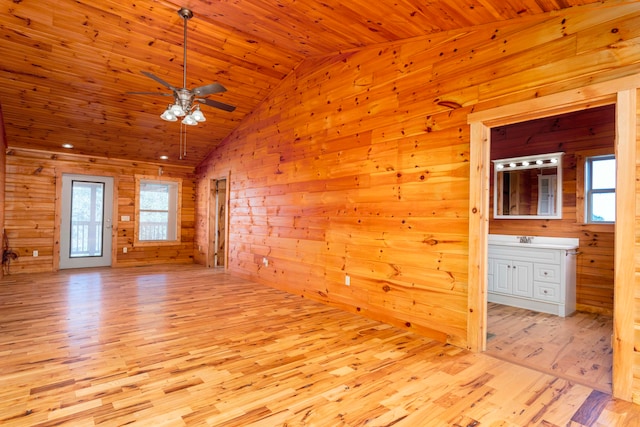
(216, 104)
(150, 93)
(209, 89)
(159, 80)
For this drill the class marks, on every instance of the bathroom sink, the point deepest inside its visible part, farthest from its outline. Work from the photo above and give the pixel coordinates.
(541, 245)
(540, 242)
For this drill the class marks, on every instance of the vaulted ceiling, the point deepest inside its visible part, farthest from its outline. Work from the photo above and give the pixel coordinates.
(66, 66)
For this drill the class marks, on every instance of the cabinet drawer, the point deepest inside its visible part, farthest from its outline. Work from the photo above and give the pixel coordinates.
(546, 292)
(546, 273)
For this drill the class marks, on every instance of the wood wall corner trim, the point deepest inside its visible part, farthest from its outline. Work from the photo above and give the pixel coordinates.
(478, 235)
(625, 247)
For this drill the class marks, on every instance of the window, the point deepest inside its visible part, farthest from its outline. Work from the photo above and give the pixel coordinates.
(157, 210)
(600, 189)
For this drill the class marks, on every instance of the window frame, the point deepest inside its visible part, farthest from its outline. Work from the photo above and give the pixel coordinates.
(177, 182)
(589, 191)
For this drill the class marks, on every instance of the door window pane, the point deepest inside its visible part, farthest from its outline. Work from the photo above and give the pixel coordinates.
(87, 204)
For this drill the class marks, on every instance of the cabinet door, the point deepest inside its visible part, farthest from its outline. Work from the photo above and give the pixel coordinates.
(490, 275)
(502, 276)
(522, 273)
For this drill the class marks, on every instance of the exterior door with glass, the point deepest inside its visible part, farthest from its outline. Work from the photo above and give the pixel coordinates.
(86, 221)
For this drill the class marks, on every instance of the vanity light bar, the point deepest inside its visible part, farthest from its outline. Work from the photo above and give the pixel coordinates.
(528, 162)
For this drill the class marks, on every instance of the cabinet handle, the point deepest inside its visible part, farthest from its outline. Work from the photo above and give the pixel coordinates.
(544, 292)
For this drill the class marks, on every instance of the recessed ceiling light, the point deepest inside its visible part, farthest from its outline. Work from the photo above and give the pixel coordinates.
(164, 157)
(67, 145)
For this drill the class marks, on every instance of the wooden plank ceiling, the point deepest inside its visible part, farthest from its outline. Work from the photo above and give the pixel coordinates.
(66, 65)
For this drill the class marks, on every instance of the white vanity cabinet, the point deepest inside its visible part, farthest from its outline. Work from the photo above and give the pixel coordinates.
(539, 276)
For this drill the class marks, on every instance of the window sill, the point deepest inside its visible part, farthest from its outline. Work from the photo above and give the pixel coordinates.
(148, 243)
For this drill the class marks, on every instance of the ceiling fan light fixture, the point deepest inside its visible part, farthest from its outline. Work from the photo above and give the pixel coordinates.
(197, 115)
(184, 99)
(189, 120)
(177, 110)
(168, 115)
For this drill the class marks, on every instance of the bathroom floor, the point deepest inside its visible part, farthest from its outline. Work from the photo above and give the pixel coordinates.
(577, 347)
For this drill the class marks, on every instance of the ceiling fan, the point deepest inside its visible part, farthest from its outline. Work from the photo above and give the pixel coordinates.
(186, 101)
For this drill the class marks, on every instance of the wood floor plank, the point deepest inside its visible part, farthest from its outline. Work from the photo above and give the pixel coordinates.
(590, 410)
(190, 346)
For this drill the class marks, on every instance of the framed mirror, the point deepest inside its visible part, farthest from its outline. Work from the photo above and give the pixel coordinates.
(528, 187)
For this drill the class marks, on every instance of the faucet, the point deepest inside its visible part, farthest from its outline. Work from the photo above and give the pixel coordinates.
(525, 239)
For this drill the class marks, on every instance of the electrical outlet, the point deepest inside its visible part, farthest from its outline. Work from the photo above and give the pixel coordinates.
(347, 280)
(35, 253)
(265, 262)
(124, 250)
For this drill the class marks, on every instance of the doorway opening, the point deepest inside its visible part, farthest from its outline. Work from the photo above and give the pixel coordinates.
(576, 347)
(621, 93)
(218, 226)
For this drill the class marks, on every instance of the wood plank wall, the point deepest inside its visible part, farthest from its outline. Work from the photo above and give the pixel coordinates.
(358, 163)
(588, 131)
(3, 175)
(30, 207)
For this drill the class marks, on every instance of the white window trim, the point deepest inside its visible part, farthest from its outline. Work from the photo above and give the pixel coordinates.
(588, 191)
(177, 215)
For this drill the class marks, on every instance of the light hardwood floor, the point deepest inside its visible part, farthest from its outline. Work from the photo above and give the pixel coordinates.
(576, 347)
(185, 345)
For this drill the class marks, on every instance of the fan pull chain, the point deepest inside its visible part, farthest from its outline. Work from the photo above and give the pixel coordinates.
(180, 148)
(183, 141)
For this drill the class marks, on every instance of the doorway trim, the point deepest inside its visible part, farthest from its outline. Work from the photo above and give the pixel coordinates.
(58, 215)
(622, 93)
(214, 221)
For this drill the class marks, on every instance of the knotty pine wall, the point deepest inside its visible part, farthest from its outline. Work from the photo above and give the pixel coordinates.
(354, 165)
(587, 132)
(3, 142)
(30, 208)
